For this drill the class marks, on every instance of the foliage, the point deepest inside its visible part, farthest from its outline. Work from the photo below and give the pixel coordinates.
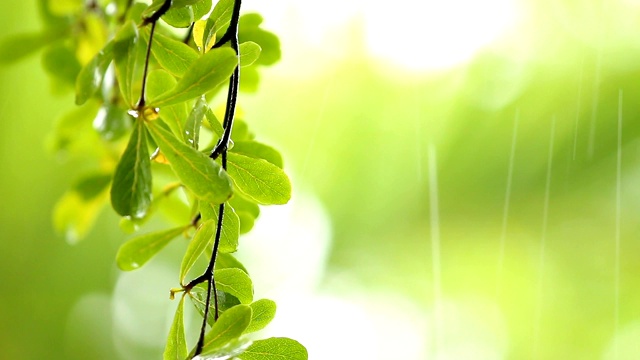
(144, 76)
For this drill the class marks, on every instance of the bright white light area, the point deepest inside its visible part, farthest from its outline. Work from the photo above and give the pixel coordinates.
(417, 35)
(435, 34)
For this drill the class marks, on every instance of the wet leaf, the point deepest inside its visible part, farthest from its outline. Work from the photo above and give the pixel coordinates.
(203, 176)
(131, 189)
(230, 229)
(173, 55)
(263, 311)
(194, 121)
(259, 180)
(275, 349)
(176, 348)
(229, 327)
(235, 282)
(249, 53)
(137, 251)
(203, 236)
(258, 150)
(90, 78)
(182, 14)
(204, 75)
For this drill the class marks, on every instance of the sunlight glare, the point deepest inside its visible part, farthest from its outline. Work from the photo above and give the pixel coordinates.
(432, 35)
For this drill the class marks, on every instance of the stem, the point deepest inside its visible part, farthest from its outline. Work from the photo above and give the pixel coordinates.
(231, 35)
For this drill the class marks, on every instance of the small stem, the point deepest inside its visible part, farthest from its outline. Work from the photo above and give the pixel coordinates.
(142, 101)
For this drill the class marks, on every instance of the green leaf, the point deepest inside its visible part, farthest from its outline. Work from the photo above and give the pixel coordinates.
(275, 349)
(203, 236)
(90, 78)
(158, 81)
(65, 7)
(176, 348)
(17, 47)
(60, 62)
(250, 30)
(112, 122)
(228, 261)
(258, 150)
(215, 124)
(91, 186)
(230, 326)
(204, 75)
(182, 14)
(173, 55)
(241, 131)
(137, 251)
(194, 121)
(150, 11)
(199, 297)
(129, 52)
(230, 229)
(221, 17)
(235, 282)
(203, 176)
(131, 190)
(263, 311)
(260, 180)
(249, 53)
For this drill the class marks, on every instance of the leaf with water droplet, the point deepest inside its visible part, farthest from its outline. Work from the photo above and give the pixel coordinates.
(275, 349)
(230, 229)
(131, 189)
(176, 348)
(263, 311)
(230, 326)
(202, 237)
(205, 74)
(259, 180)
(249, 53)
(204, 177)
(194, 121)
(137, 251)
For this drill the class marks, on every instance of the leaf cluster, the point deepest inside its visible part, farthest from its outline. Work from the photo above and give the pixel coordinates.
(144, 76)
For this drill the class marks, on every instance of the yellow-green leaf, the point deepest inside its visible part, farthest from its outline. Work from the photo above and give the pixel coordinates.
(204, 75)
(204, 235)
(235, 282)
(230, 326)
(249, 53)
(263, 311)
(203, 176)
(176, 348)
(230, 229)
(275, 349)
(173, 55)
(137, 251)
(259, 179)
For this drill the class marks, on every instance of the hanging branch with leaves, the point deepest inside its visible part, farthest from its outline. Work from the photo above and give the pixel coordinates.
(144, 76)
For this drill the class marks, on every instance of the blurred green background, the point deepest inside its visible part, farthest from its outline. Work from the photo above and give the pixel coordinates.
(370, 106)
